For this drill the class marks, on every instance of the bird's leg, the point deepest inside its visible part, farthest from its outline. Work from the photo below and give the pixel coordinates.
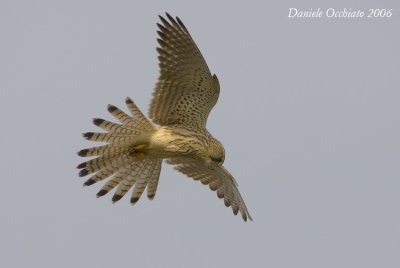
(137, 151)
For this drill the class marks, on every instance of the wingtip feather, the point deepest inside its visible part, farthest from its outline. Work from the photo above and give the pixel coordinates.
(89, 182)
(81, 165)
(101, 193)
(134, 200)
(116, 198)
(98, 121)
(111, 108)
(83, 173)
(88, 135)
(83, 152)
(128, 100)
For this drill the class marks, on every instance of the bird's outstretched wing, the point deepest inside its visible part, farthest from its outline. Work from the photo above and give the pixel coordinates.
(186, 91)
(218, 179)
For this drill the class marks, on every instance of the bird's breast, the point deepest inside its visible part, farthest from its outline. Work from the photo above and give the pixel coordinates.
(169, 142)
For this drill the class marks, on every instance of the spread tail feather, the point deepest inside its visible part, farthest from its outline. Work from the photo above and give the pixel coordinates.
(113, 160)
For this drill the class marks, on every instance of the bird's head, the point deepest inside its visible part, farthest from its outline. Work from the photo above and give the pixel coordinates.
(216, 154)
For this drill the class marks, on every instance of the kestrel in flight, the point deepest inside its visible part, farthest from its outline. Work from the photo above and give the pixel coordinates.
(184, 95)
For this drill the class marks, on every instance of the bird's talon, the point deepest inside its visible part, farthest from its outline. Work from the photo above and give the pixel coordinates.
(135, 153)
(139, 146)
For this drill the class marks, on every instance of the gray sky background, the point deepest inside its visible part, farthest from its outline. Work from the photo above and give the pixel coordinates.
(308, 114)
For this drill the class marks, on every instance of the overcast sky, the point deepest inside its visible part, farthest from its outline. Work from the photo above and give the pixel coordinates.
(308, 113)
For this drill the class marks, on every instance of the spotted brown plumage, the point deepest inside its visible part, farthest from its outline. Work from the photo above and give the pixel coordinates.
(184, 95)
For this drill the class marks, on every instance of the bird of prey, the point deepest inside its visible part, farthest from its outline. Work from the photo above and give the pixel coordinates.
(134, 148)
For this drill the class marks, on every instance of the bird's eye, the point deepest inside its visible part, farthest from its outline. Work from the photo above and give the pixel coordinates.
(216, 159)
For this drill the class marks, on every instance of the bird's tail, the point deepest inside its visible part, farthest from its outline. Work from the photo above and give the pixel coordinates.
(115, 161)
